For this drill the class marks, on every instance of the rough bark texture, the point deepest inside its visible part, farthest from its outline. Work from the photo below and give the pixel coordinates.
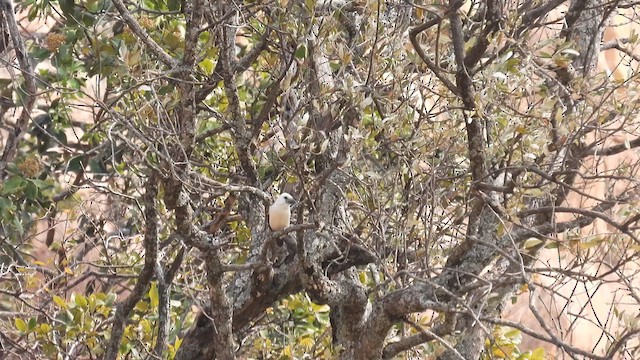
(125, 307)
(9, 26)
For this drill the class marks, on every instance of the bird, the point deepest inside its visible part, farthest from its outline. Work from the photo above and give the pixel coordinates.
(280, 212)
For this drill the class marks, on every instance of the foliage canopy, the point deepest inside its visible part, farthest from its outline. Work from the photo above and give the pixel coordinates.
(450, 158)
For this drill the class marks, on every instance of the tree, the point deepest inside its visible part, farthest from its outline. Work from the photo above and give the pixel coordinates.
(437, 150)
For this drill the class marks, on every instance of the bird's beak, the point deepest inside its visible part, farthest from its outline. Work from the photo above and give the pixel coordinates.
(292, 201)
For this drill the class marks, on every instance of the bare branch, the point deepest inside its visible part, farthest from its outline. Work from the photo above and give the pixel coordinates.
(144, 36)
(413, 37)
(404, 344)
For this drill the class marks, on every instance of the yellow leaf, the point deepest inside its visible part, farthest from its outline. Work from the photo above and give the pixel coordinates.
(512, 333)
(207, 65)
(498, 353)
(142, 306)
(562, 61)
(524, 288)
(538, 354)
(306, 342)
(80, 301)
(44, 328)
(60, 301)
(591, 243)
(257, 344)
(287, 351)
(532, 242)
(153, 295)
(21, 325)
(146, 326)
(363, 277)
(320, 308)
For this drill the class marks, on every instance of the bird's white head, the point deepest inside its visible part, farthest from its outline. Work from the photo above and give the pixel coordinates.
(285, 198)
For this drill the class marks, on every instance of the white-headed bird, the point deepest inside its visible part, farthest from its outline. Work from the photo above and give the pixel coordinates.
(280, 212)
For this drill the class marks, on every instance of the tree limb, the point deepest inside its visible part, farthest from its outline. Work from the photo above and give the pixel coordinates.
(144, 278)
(26, 68)
(153, 46)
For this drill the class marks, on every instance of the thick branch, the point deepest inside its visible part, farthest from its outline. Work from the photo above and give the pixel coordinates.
(285, 281)
(14, 137)
(220, 307)
(585, 20)
(493, 17)
(164, 322)
(144, 278)
(242, 65)
(424, 296)
(617, 44)
(228, 61)
(474, 125)
(536, 13)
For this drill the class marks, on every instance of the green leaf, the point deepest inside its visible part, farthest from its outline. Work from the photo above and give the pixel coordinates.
(6, 207)
(68, 9)
(301, 52)
(174, 5)
(511, 65)
(18, 225)
(32, 324)
(14, 184)
(110, 299)
(40, 54)
(310, 4)
(50, 350)
(512, 333)
(171, 40)
(75, 164)
(31, 191)
(97, 166)
(552, 245)
(13, 168)
(41, 184)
